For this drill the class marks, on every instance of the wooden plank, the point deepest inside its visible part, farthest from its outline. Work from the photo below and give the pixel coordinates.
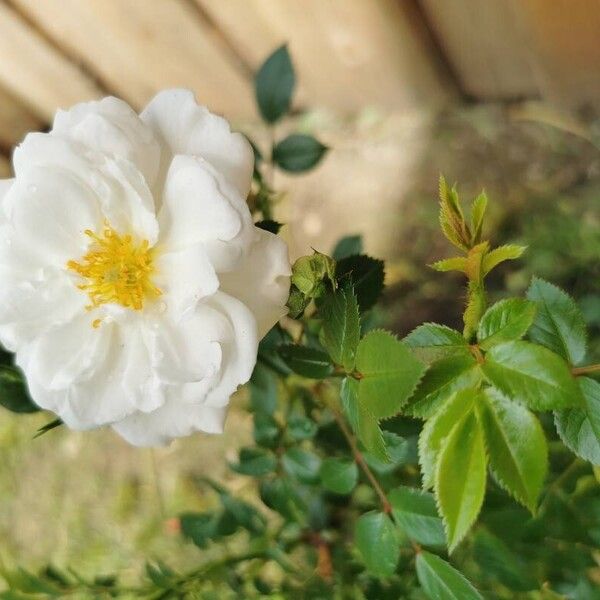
(32, 69)
(349, 54)
(15, 121)
(485, 44)
(5, 168)
(137, 47)
(564, 40)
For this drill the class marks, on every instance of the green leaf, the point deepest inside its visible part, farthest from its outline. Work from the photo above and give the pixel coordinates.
(441, 581)
(338, 475)
(296, 303)
(269, 359)
(298, 153)
(477, 213)
(280, 495)
(369, 433)
(579, 428)
(348, 246)
(341, 326)
(301, 464)
(200, 528)
(255, 462)
(24, 581)
(263, 390)
(559, 324)
(367, 276)
(377, 540)
(305, 361)
(398, 450)
(274, 85)
(301, 428)
(505, 321)
(460, 478)
(499, 255)
(389, 373)
(442, 379)
(456, 263)
(439, 427)
(533, 375)
(13, 391)
(266, 430)
(416, 514)
(269, 225)
(243, 514)
(516, 445)
(363, 423)
(160, 574)
(451, 216)
(431, 341)
(498, 561)
(48, 427)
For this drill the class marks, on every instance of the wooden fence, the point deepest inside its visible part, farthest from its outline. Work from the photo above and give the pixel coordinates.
(350, 54)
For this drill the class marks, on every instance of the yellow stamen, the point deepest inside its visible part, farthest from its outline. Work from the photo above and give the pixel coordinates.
(116, 270)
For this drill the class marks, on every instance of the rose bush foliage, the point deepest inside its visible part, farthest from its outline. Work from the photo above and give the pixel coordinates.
(439, 466)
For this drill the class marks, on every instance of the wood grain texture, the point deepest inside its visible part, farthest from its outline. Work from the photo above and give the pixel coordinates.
(349, 54)
(564, 39)
(35, 71)
(485, 43)
(137, 47)
(15, 121)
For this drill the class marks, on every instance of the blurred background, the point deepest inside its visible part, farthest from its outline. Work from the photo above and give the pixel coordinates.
(499, 95)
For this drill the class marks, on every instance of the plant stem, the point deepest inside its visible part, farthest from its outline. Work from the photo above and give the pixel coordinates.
(362, 463)
(577, 371)
(555, 485)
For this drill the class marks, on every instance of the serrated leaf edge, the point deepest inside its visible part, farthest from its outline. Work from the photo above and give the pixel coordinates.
(452, 547)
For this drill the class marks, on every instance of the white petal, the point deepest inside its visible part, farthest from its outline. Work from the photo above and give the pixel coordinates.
(18, 261)
(187, 348)
(239, 349)
(170, 421)
(126, 201)
(44, 150)
(190, 406)
(186, 128)
(5, 185)
(121, 382)
(184, 277)
(29, 308)
(262, 280)
(49, 210)
(114, 185)
(194, 209)
(200, 207)
(111, 126)
(66, 354)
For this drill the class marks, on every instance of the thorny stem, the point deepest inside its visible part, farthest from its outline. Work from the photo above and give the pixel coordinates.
(362, 463)
(577, 371)
(555, 485)
(476, 352)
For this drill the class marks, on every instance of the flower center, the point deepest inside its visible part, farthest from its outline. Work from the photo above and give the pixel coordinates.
(116, 269)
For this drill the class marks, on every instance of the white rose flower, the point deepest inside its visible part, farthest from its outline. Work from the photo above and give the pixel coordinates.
(134, 286)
